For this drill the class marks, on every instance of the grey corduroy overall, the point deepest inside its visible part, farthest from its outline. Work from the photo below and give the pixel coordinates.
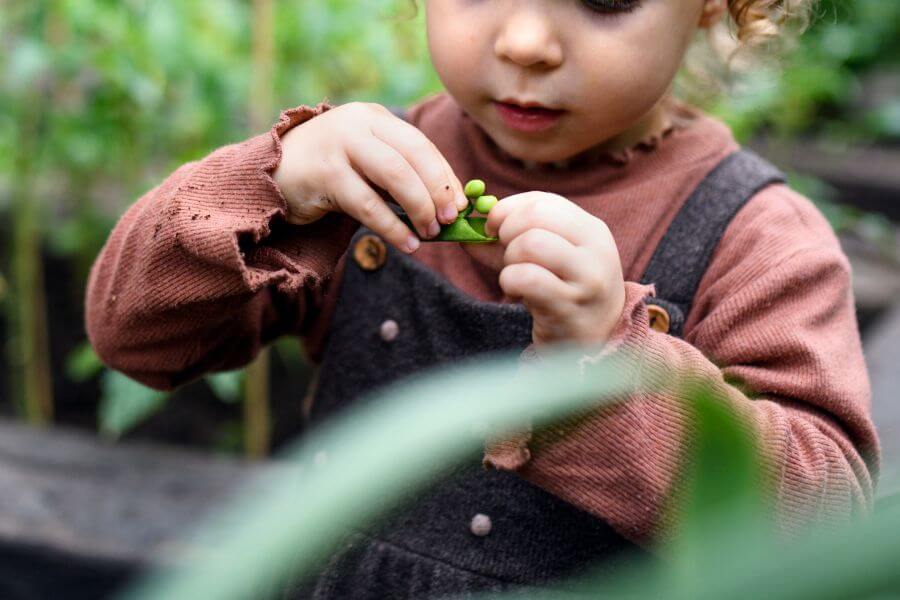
(523, 536)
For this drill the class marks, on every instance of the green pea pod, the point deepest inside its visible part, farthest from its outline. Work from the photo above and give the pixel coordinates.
(469, 230)
(464, 229)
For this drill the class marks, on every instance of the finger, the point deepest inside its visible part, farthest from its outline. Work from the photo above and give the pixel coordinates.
(538, 288)
(357, 198)
(562, 218)
(460, 199)
(504, 208)
(387, 169)
(445, 190)
(554, 253)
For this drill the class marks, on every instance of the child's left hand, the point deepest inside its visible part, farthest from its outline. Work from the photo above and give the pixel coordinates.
(560, 261)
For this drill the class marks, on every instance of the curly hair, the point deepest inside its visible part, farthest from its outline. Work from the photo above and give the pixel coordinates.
(754, 33)
(757, 22)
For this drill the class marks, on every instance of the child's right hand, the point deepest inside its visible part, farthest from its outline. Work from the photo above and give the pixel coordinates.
(332, 161)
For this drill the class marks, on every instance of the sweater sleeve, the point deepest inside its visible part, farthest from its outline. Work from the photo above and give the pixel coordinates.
(203, 270)
(773, 331)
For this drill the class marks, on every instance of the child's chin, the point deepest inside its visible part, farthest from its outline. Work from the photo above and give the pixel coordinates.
(532, 151)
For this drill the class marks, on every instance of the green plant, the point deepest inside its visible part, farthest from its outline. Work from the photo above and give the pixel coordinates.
(125, 403)
(102, 100)
(277, 529)
(835, 84)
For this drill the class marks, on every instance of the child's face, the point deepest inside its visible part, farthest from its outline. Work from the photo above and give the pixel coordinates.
(607, 70)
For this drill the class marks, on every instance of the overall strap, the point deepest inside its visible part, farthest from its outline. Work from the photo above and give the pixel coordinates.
(686, 249)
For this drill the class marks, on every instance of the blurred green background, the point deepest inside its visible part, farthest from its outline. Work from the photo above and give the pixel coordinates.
(101, 99)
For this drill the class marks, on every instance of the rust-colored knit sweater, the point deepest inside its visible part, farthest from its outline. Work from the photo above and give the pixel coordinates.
(202, 271)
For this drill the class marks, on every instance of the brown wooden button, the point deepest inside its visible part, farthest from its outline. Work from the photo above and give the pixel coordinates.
(659, 318)
(369, 252)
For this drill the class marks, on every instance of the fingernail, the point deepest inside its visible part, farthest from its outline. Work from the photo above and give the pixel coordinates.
(434, 228)
(449, 213)
(461, 201)
(412, 243)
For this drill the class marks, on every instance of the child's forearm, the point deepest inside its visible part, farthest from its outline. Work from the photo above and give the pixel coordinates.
(200, 272)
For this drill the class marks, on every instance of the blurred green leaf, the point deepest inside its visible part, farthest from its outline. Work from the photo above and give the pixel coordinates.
(26, 64)
(82, 363)
(125, 403)
(283, 525)
(227, 386)
(723, 493)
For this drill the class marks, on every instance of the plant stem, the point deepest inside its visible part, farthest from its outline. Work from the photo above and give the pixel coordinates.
(257, 428)
(29, 348)
(257, 420)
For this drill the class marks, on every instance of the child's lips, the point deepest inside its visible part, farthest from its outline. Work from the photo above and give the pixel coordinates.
(530, 118)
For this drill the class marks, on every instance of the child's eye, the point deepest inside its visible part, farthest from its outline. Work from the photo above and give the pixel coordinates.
(611, 6)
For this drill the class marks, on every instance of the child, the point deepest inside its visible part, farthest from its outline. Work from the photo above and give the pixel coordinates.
(612, 193)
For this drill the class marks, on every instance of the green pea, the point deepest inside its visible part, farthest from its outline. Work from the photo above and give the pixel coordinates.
(484, 204)
(474, 189)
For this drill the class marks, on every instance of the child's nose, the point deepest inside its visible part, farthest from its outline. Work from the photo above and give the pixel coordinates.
(527, 38)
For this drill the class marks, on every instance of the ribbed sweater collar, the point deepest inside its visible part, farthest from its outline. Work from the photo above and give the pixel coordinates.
(691, 137)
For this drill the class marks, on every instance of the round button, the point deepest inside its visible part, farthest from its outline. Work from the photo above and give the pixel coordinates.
(481, 525)
(369, 252)
(659, 318)
(389, 330)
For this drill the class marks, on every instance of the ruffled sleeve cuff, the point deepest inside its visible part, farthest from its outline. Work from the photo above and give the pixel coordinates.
(230, 213)
(510, 451)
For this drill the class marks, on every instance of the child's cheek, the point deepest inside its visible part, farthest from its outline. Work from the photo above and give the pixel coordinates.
(453, 46)
(641, 57)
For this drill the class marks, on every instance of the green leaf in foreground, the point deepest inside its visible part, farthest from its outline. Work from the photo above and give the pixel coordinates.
(377, 455)
(722, 493)
(282, 525)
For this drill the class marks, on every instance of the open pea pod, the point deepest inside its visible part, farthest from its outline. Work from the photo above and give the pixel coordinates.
(465, 229)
